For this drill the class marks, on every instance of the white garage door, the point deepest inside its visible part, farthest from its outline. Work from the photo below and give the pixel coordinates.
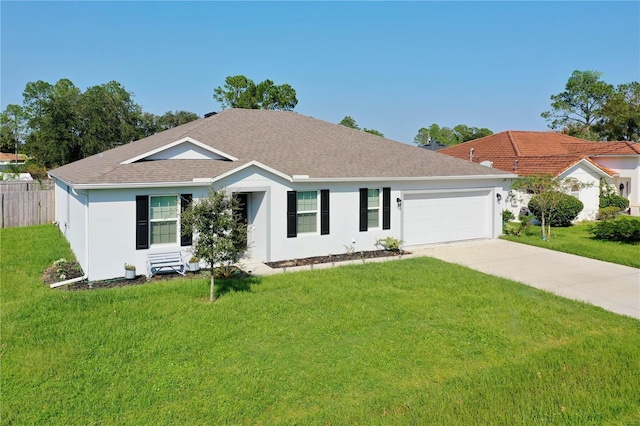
(444, 217)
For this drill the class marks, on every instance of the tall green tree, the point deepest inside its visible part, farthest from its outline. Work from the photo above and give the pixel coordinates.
(151, 124)
(108, 118)
(220, 233)
(241, 92)
(171, 119)
(350, 122)
(12, 128)
(621, 114)
(450, 136)
(52, 114)
(580, 106)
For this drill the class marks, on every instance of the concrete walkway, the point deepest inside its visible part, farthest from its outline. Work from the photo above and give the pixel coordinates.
(613, 287)
(608, 285)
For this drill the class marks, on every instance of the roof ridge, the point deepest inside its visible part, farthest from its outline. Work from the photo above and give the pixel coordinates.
(513, 143)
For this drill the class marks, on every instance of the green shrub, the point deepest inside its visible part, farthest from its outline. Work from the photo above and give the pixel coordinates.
(507, 215)
(624, 228)
(568, 208)
(606, 213)
(389, 243)
(520, 227)
(613, 200)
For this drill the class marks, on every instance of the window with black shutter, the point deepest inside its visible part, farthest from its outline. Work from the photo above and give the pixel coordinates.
(142, 222)
(186, 236)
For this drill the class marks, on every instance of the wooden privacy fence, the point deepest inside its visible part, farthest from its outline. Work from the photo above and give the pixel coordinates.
(26, 203)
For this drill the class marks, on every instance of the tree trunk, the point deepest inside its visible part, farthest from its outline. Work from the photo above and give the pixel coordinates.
(544, 237)
(212, 296)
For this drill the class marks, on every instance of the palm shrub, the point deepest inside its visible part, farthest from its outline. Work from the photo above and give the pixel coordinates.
(567, 208)
(624, 228)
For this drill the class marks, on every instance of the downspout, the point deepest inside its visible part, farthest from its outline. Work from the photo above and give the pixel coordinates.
(86, 247)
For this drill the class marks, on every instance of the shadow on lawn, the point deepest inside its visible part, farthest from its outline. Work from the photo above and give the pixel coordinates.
(235, 284)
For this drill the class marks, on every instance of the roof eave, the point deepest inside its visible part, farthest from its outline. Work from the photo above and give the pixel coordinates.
(402, 179)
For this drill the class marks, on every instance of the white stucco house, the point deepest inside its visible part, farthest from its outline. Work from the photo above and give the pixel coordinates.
(528, 153)
(308, 187)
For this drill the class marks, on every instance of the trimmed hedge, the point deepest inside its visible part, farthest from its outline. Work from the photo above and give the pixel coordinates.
(568, 209)
(614, 200)
(624, 228)
(606, 213)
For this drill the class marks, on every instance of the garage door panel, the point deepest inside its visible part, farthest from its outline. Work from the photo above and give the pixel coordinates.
(445, 217)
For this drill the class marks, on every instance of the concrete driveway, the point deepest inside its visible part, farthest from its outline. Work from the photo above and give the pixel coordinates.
(608, 285)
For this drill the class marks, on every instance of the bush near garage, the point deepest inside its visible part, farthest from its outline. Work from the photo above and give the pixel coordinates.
(567, 209)
(625, 229)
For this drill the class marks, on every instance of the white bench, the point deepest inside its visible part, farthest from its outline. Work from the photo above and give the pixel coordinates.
(165, 261)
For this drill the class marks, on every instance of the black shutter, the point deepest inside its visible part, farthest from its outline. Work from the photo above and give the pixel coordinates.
(386, 208)
(186, 236)
(364, 204)
(324, 212)
(142, 222)
(292, 219)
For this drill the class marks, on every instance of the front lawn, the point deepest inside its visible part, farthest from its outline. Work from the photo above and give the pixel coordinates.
(415, 341)
(577, 240)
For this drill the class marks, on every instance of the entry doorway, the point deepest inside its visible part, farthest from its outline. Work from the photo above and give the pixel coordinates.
(252, 211)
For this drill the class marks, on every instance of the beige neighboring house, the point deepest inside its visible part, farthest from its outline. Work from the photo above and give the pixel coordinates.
(527, 153)
(307, 188)
(8, 158)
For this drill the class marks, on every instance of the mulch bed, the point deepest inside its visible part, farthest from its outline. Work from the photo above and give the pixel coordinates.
(71, 270)
(336, 258)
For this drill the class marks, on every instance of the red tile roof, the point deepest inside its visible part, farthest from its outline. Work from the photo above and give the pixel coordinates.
(527, 153)
(7, 156)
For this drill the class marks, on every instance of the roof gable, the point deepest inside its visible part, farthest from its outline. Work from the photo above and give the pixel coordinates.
(183, 149)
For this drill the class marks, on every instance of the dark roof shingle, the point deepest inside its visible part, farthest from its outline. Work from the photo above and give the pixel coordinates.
(291, 143)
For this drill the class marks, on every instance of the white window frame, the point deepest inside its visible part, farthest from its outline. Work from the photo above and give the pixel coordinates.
(177, 221)
(575, 191)
(378, 208)
(316, 212)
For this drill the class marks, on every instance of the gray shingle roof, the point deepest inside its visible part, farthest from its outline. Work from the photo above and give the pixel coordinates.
(291, 143)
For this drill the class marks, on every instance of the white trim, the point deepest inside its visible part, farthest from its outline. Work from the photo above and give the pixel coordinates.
(294, 179)
(178, 142)
(405, 178)
(591, 165)
(316, 212)
(236, 170)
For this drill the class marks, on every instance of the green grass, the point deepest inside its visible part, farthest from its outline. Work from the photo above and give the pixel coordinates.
(416, 341)
(577, 240)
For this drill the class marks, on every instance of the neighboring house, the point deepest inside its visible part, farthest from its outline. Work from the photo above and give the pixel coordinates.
(308, 188)
(529, 153)
(9, 159)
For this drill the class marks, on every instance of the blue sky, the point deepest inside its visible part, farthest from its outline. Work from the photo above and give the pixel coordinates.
(393, 66)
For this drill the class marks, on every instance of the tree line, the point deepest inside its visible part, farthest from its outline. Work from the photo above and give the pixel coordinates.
(59, 123)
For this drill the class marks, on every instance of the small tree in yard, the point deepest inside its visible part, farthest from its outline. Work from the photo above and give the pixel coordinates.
(221, 235)
(549, 194)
